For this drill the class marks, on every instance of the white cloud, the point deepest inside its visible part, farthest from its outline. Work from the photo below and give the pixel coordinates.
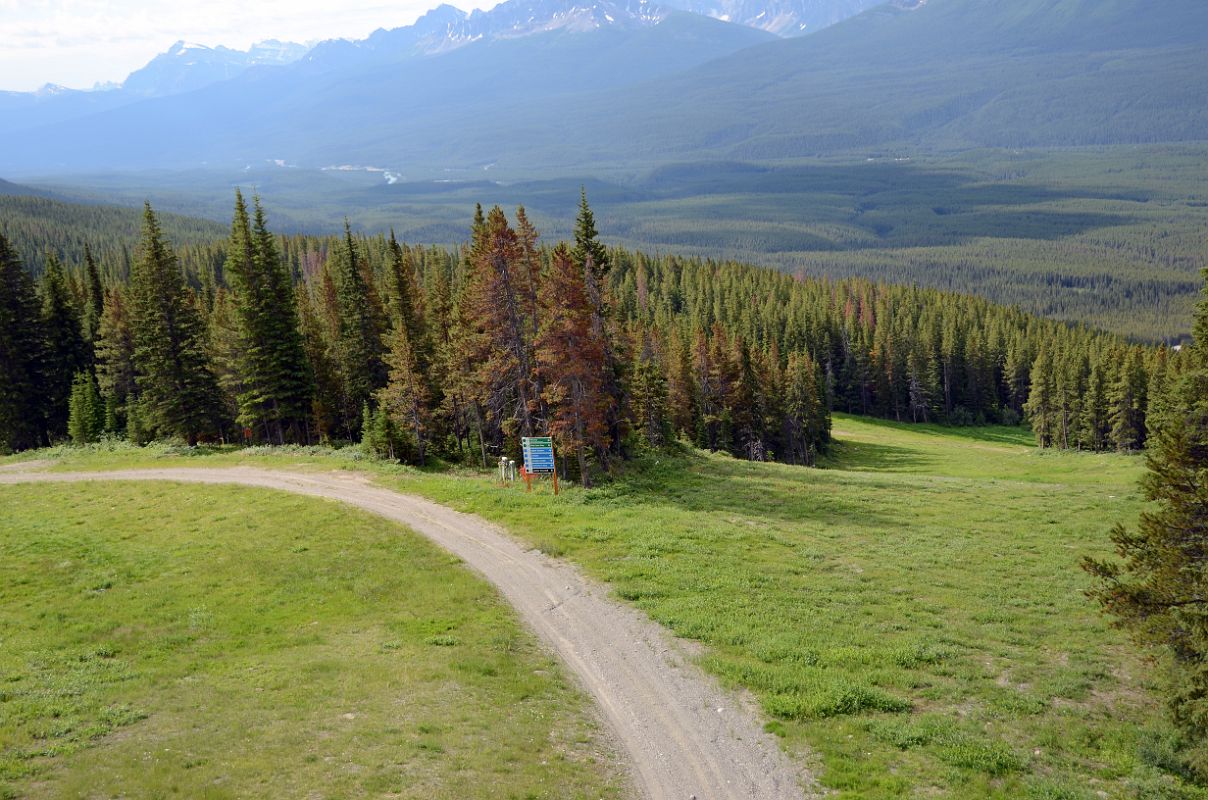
(77, 43)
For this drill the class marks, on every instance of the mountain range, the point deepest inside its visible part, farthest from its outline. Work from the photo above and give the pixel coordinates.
(542, 86)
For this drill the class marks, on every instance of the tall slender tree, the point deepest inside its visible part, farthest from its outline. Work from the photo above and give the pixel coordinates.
(94, 297)
(571, 357)
(66, 348)
(179, 394)
(357, 348)
(1158, 589)
(22, 349)
(115, 368)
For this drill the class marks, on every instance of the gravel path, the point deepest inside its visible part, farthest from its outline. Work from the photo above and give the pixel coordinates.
(684, 736)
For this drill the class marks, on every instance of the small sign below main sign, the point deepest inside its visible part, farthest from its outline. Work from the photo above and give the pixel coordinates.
(538, 453)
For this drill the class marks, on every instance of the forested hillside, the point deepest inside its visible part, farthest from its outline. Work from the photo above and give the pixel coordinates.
(35, 226)
(422, 350)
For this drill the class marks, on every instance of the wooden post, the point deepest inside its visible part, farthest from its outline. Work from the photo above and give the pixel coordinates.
(555, 472)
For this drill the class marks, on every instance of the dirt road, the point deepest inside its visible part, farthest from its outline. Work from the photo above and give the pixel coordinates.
(684, 736)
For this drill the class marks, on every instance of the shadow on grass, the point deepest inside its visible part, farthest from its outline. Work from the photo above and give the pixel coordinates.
(700, 482)
(995, 434)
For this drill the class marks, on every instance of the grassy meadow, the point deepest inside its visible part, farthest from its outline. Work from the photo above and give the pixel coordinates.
(910, 617)
(217, 642)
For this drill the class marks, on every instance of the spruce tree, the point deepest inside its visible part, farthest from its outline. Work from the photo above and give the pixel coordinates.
(588, 247)
(115, 368)
(571, 357)
(358, 346)
(179, 394)
(648, 395)
(404, 398)
(86, 411)
(1042, 399)
(94, 297)
(276, 385)
(406, 303)
(22, 349)
(1127, 401)
(1158, 589)
(66, 349)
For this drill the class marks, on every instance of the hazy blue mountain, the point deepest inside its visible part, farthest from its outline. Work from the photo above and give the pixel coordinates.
(781, 17)
(182, 68)
(549, 85)
(305, 112)
(185, 67)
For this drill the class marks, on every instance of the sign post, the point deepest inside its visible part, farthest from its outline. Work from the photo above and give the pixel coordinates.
(539, 457)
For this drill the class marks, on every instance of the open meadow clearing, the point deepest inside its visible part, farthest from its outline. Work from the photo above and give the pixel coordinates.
(911, 618)
(166, 641)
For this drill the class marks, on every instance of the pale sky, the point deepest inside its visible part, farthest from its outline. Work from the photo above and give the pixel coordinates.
(77, 43)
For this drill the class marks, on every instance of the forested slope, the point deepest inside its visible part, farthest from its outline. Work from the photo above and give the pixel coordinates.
(457, 352)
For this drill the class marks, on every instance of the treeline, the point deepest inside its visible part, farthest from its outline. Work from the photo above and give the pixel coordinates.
(413, 351)
(457, 353)
(914, 354)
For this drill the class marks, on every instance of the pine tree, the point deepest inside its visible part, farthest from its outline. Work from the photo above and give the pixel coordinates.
(404, 398)
(329, 393)
(179, 394)
(588, 247)
(86, 411)
(66, 349)
(648, 395)
(357, 348)
(406, 303)
(275, 385)
(1158, 590)
(1095, 421)
(806, 418)
(115, 368)
(747, 405)
(495, 336)
(681, 397)
(1127, 401)
(1041, 405)
(94, 299)
(22, 349)
(571, 358)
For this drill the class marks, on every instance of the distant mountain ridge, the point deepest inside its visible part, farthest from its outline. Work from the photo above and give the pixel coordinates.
(781, 17)
(185, 66)
(556, 85)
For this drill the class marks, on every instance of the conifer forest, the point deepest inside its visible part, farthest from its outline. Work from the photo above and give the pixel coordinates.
(454, 353)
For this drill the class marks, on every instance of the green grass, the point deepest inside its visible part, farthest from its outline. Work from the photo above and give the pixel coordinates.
(159, 640)
(911, 617)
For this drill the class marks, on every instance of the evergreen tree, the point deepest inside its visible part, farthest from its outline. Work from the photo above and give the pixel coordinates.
(495, 336)
(66, 349)
(571, 358)
(86, 411)
(179, 394)
(1127, 401)
(588, 247)
(94, 298)
(1041, 406)
(357, 347)
(115, 368)
(406, 303)
(22, 349)
(648, 395)
(404, 398)
(1158, 590)
(806, 419)
(1095, 421)
(276, 388)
